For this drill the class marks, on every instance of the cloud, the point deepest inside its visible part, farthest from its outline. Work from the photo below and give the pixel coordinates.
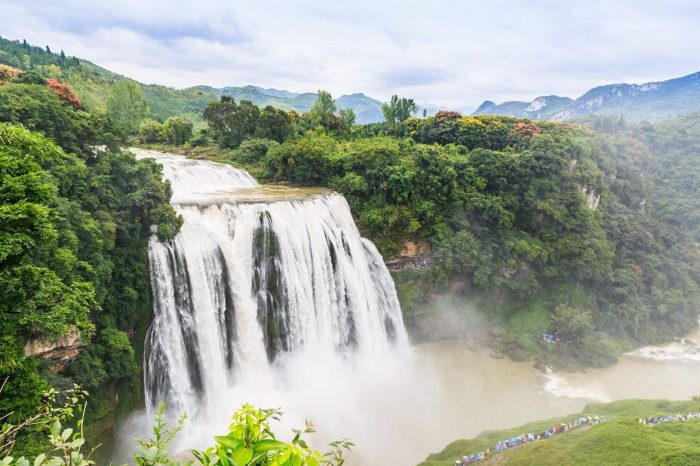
(454, 53)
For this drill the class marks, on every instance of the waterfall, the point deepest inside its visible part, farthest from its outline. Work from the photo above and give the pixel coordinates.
(257, 273)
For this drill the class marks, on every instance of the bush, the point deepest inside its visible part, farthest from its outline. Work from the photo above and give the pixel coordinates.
(150, 131)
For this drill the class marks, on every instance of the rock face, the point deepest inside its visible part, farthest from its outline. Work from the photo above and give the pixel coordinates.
(413, 256)
(592, 196)
(61, 352)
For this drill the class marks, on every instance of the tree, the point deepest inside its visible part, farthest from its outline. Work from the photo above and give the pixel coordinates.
(231, 122)
(150, 131)
(398, 110)
(29, 77)
(177, 131)
(126, 106)
(64, 92)
(8, 73)
(573, 323)
(274, 124)
(323, 111)
(347, 119)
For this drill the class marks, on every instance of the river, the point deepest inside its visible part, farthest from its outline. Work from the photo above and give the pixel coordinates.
(397, 410)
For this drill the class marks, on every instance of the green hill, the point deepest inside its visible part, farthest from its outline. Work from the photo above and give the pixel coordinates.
(92, 83)
(620, 441)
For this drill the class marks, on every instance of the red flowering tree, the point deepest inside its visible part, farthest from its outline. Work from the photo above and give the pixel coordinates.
(64, 91)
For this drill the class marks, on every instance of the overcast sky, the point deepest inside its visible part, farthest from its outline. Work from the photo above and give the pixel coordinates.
(453, 53)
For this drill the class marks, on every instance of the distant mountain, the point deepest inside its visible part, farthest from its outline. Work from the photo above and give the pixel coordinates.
(367, 109)
(651, 101)
(92, 82)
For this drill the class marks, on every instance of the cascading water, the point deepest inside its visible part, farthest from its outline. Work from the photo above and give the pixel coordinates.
(254, 275)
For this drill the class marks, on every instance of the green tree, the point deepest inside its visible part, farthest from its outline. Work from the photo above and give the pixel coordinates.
(177, 131)
(323, 111)
(573, 324)
(150, 131)
(231, 122)
(126, 106)
(274, 124)
(347, 119)
(398, 110)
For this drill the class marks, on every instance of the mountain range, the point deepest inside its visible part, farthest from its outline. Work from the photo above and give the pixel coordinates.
(650, 101)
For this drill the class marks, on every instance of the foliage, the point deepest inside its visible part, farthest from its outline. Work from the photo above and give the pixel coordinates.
(231, 122)
(64, 92)
(398, 110)
(503, 204)
(75, 220)
(274, 124)
(150, 131)
(251, 442)
(323, 111)
(154, 452)
(7, 73)
(126, 106)
(572, 324)
(177, 131)
(38, 108)
(63, 445)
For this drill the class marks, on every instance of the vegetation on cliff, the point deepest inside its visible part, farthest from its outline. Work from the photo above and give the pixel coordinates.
(75, 218)
(549, 227)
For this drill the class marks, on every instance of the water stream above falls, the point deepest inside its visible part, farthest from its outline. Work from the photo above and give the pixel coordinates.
(270, 296)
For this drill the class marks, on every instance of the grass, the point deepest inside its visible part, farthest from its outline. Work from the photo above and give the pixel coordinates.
(620, 441)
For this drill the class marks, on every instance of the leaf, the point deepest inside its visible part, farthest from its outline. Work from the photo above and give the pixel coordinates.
(39, 460)
(66, 434)
(228, 442)
(222, 457)
(268, 445)
(56, 429)
(311, 461)
(242, 456)
(77, 443)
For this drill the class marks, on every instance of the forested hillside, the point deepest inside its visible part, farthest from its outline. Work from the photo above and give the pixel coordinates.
(545, 227)
(93, 84)
(76, 213)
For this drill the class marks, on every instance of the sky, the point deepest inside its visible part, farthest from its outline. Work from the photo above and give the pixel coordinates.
(449, 53)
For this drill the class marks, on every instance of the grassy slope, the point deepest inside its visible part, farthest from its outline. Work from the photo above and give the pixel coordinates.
(621, 441)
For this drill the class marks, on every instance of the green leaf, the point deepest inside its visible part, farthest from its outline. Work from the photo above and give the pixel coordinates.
(66, 434)
(39, 460)
(228, 442)
(222, 457)
(56, 429)
(268, 445)
(242, 456)
(77, 443)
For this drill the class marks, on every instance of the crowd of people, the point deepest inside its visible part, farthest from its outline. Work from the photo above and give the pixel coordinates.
(511, 442)
(503, 445)
(652, 421)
